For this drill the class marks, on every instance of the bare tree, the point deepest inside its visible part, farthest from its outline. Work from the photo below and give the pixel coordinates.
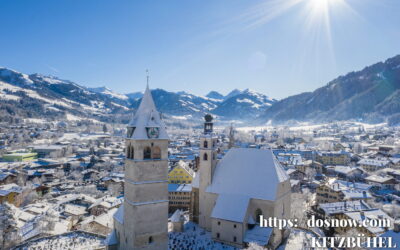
(8, 232)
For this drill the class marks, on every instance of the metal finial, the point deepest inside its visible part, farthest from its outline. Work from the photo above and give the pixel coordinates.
(147, 77)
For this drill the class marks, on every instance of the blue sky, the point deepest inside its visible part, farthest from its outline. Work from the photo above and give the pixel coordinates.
(277, 47)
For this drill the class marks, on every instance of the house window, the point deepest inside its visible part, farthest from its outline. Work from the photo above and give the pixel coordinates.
(234, 238)
(205, 157)
(218, 235)
(147, 153)
(150, 239)
(234, 225)
(219, 223)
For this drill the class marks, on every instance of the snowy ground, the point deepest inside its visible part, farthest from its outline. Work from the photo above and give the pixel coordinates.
(298, 239)
(194, 238)
(71, 241)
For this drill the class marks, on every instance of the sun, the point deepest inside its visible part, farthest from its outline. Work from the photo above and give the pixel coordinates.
(322, 7)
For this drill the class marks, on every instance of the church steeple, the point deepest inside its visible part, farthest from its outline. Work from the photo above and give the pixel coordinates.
(208, 124)
(147, 122)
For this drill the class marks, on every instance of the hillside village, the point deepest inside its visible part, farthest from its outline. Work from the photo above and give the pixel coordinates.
(66, 178)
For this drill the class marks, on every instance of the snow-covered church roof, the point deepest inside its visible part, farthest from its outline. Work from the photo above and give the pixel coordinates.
(145, 117)
(254, 173)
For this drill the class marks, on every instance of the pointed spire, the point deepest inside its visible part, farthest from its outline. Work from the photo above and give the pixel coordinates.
(146, 117)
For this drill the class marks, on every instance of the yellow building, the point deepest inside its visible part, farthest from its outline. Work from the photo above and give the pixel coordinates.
(19, 156)
(181, 174)
(9, 193)
(333, 158)
(336, 190)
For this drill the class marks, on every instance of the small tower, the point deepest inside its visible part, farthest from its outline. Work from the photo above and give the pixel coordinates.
(142, 221)
(208, 161)
(231, 137)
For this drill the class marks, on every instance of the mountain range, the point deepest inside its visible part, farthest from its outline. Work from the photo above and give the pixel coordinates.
(371, 94)
(48, 97)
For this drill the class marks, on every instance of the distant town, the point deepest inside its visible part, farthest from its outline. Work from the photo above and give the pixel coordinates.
(63, 185)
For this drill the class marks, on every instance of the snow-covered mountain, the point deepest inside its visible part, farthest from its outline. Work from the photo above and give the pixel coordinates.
(108, 92)
(246, 104)
(371, 94)
(215, 95)
(48, 97)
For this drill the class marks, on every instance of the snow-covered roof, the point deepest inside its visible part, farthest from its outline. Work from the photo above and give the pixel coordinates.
(147, 116)
(373, 162)
(259, 235)
(196, 180)
(111, 239)
(380, 179)
(231, 207)
(119, 215)
(370, 215)
(254, 173)
(179, 187)
(341, 207)
(344, 169)
(176, 216)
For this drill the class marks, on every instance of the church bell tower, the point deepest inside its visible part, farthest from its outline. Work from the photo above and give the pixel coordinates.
(208, 161)
(142, 221)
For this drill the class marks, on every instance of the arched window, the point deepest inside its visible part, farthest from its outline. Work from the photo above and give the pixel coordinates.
(147, 153)
(257, 215)
(205, 144)
(129, 152)
(132, 152)
(150, 240)
(156, 153)
(205, 157)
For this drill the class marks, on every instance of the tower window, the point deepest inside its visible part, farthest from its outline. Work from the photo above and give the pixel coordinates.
(150, 239)
(205, 144)
(218, 235)
(234, 225)
(219, 223)
(234, 238)
(156, 153)
(130, 152)
(147, 153)
(258, 213)
(205, 157)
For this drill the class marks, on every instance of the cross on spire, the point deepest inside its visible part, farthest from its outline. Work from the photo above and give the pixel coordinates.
(147, 77)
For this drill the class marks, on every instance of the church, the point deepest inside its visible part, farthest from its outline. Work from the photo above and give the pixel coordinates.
(142, 221)
(230, 194)
(233, 192)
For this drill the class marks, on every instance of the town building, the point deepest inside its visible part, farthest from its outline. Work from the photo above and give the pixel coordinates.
(181, 174)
